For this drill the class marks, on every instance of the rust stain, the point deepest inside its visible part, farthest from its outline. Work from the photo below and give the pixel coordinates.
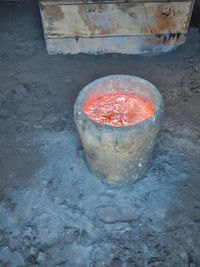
(55, 34)
(165, 18)
(53, 13)
(92, 17)
(146, 29)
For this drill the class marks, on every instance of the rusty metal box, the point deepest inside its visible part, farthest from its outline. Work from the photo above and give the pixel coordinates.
(131, 27)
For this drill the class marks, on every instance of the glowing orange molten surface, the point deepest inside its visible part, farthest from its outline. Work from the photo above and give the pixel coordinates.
(118, 109)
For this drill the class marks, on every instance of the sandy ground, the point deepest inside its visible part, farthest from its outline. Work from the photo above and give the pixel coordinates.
(53, 212)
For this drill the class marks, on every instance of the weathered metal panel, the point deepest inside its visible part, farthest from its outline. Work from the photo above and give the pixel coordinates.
(116, 27)
(115, 19)
(69, 2)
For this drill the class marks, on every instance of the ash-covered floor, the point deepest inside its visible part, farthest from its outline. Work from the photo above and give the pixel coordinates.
(53, 212)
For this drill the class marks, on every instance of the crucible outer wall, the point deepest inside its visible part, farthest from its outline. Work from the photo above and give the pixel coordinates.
(119, 155)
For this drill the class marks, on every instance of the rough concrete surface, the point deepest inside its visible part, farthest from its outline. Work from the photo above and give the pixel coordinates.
(53, 212)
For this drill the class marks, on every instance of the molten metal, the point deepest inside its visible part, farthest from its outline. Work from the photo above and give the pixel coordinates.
(118, 109)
